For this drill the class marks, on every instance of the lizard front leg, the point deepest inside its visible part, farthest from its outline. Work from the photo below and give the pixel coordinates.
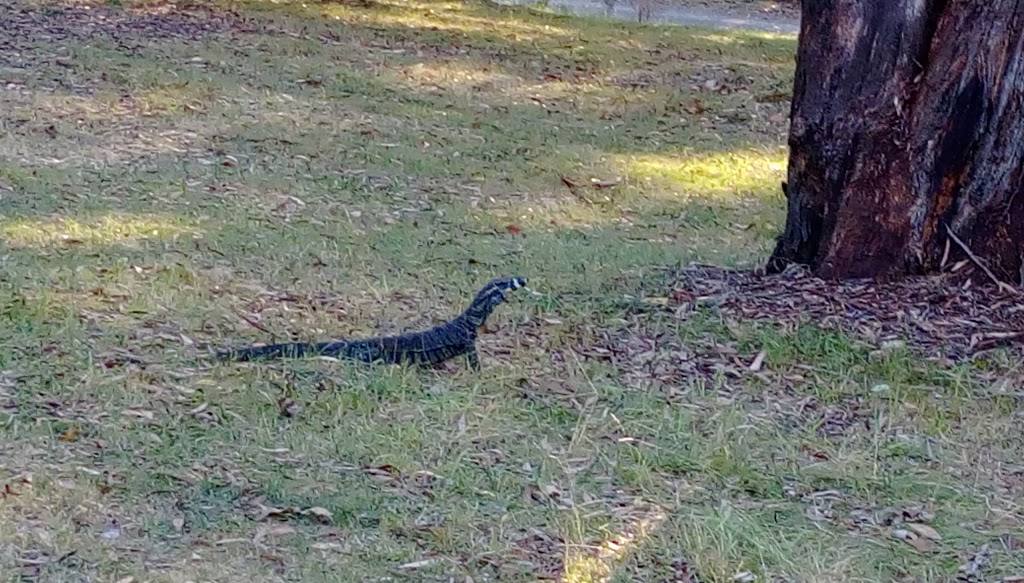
(473, 358)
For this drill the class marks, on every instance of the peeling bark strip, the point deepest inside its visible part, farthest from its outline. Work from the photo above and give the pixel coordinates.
(907, 121)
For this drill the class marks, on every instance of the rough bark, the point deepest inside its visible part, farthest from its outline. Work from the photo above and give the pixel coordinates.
(907, 122)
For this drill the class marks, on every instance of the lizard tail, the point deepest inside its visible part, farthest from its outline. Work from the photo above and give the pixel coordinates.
(283, 350)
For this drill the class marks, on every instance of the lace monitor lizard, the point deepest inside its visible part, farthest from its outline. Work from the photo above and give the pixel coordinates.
(453, 338)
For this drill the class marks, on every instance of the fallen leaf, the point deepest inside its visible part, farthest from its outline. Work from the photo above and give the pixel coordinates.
(604, 183)
(417, 564)
(1014, 543)
(925, 531)
(513, 229)
(289, 407)
(322, 513)
(758, 362)
(974, 569)
(921, 544)
(279, 530)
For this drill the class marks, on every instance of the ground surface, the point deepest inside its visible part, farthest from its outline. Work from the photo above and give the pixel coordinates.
(742, 15)
(176, 179)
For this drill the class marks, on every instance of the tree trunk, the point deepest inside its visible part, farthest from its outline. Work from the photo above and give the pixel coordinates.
(907, 125)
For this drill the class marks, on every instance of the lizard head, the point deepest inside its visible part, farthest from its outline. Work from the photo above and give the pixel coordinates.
(494, 292)
(491, 295)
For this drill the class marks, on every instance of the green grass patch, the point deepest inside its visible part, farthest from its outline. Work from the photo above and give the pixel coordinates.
(182, 178)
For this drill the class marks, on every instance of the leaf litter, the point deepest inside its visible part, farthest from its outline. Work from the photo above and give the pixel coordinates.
(944, 321)
(26, 25)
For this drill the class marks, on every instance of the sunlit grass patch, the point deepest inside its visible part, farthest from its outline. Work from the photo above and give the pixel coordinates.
(451, 17)
(459, 77)
(713, 176)
(732, 39)
(598, 562)
(111, 229)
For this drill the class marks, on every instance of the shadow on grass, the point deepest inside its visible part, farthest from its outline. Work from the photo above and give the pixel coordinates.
(344, 175)
(408, 135)
(613, 95)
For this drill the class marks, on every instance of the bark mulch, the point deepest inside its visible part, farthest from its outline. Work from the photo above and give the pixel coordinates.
(944, 320)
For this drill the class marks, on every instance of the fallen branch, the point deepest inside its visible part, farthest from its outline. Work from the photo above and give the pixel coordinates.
(977, 261)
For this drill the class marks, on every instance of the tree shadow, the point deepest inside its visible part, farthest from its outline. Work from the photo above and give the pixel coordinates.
(343, 170)
(415, 137)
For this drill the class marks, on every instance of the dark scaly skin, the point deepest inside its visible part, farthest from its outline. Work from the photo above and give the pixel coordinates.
(456, 337)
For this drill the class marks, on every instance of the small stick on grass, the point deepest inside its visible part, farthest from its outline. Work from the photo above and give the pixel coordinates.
(254, 323)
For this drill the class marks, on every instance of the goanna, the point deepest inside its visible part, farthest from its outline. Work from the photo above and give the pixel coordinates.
(455, 337)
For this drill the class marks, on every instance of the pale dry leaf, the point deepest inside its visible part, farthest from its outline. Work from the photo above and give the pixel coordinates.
(925, 531)
(278, 529)
(417, 564)
(322, 513)
(551, 490)
(758, 362)
(597, 183)
(920, 543)
(266, 512)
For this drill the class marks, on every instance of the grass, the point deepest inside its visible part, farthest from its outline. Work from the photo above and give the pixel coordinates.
(174, 180)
